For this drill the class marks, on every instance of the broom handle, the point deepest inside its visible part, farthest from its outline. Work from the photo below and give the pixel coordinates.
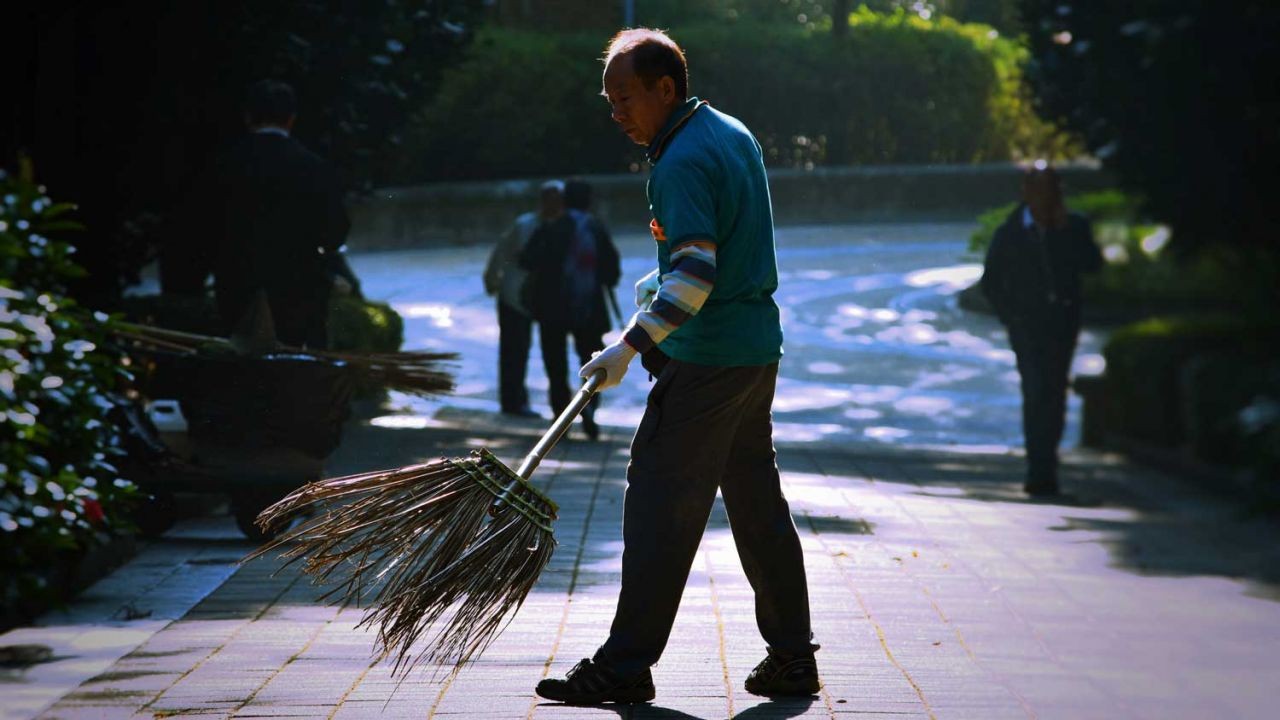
(561, 425)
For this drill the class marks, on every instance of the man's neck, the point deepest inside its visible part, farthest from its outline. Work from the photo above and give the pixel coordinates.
(674, 120)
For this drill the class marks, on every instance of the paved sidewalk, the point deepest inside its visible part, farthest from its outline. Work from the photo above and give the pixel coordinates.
(938, 592)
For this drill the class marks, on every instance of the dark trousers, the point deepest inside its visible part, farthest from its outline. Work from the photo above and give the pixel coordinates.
(554, 338)
(705, 428)
(1044, 364)
(515, 333)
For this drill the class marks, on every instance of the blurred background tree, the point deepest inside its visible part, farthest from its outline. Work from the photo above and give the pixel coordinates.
(1180, 97)
(121, 105)
(900, 87)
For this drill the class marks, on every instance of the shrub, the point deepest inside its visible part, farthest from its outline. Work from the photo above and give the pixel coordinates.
(1146, 363)
(896, 89)
(61, 492)
(364, 325)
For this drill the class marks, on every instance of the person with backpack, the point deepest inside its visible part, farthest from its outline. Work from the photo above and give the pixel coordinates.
(573, 267)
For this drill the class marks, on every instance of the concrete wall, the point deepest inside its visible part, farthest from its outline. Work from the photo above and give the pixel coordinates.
(476, 212)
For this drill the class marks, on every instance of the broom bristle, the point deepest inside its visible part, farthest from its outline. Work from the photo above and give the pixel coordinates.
(418, 547)
(415, 372)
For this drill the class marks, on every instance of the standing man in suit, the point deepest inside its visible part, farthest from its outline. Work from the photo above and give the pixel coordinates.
(1032, 279)
(276, 213)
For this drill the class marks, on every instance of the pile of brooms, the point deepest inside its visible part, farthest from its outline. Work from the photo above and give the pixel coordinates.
(418, 373)
(440, 554)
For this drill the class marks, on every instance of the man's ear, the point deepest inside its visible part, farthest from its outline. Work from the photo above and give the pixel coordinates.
(668, 87)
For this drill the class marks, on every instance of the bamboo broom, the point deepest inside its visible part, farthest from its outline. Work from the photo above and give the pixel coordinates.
(439, 553)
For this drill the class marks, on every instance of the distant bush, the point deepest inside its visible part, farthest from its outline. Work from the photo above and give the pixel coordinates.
(61, 492)
(1209, 383)
(897, 89)
(364, 325)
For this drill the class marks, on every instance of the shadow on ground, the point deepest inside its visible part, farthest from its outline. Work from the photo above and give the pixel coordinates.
(771, 709)
(1153, 524)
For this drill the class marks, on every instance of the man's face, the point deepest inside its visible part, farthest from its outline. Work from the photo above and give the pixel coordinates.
(1044, 199)
(640, 111)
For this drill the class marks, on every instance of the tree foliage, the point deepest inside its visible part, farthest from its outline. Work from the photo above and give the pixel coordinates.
(897, 89)
(1180, 97)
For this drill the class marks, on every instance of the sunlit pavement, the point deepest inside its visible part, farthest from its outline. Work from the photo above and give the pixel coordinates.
(876, 349)
(937, 590)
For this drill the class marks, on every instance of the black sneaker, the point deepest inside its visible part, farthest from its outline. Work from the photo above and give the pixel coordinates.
(1041, 489)
(777, 676)
(591, 684)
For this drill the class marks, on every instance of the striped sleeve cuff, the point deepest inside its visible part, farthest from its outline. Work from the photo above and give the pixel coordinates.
(683, 292)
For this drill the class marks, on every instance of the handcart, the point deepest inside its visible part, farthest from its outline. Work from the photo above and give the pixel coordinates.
(256, 428)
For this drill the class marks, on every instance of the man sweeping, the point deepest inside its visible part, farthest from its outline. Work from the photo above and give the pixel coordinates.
(713, 338)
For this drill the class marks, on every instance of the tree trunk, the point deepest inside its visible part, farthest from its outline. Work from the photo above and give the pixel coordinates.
(840, 18)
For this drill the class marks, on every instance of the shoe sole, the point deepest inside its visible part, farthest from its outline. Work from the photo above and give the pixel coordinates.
(620, 697)
(786, 690)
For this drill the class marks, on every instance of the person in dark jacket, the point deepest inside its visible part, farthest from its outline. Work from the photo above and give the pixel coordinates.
(572, 264)
(276, 217)
(1032, 278)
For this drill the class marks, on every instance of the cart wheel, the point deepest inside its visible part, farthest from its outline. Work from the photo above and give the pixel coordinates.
(246, 505)
(155, 514)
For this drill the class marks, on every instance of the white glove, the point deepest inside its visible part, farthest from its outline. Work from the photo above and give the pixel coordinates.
(614, 359)
(646, 288)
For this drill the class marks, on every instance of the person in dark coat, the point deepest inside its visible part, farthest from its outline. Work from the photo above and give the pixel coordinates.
(1032, 278)
(277, 219)
(572, 263)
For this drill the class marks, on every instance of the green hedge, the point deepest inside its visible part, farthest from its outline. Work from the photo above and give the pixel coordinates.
(1175, 381)
(897, 89)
